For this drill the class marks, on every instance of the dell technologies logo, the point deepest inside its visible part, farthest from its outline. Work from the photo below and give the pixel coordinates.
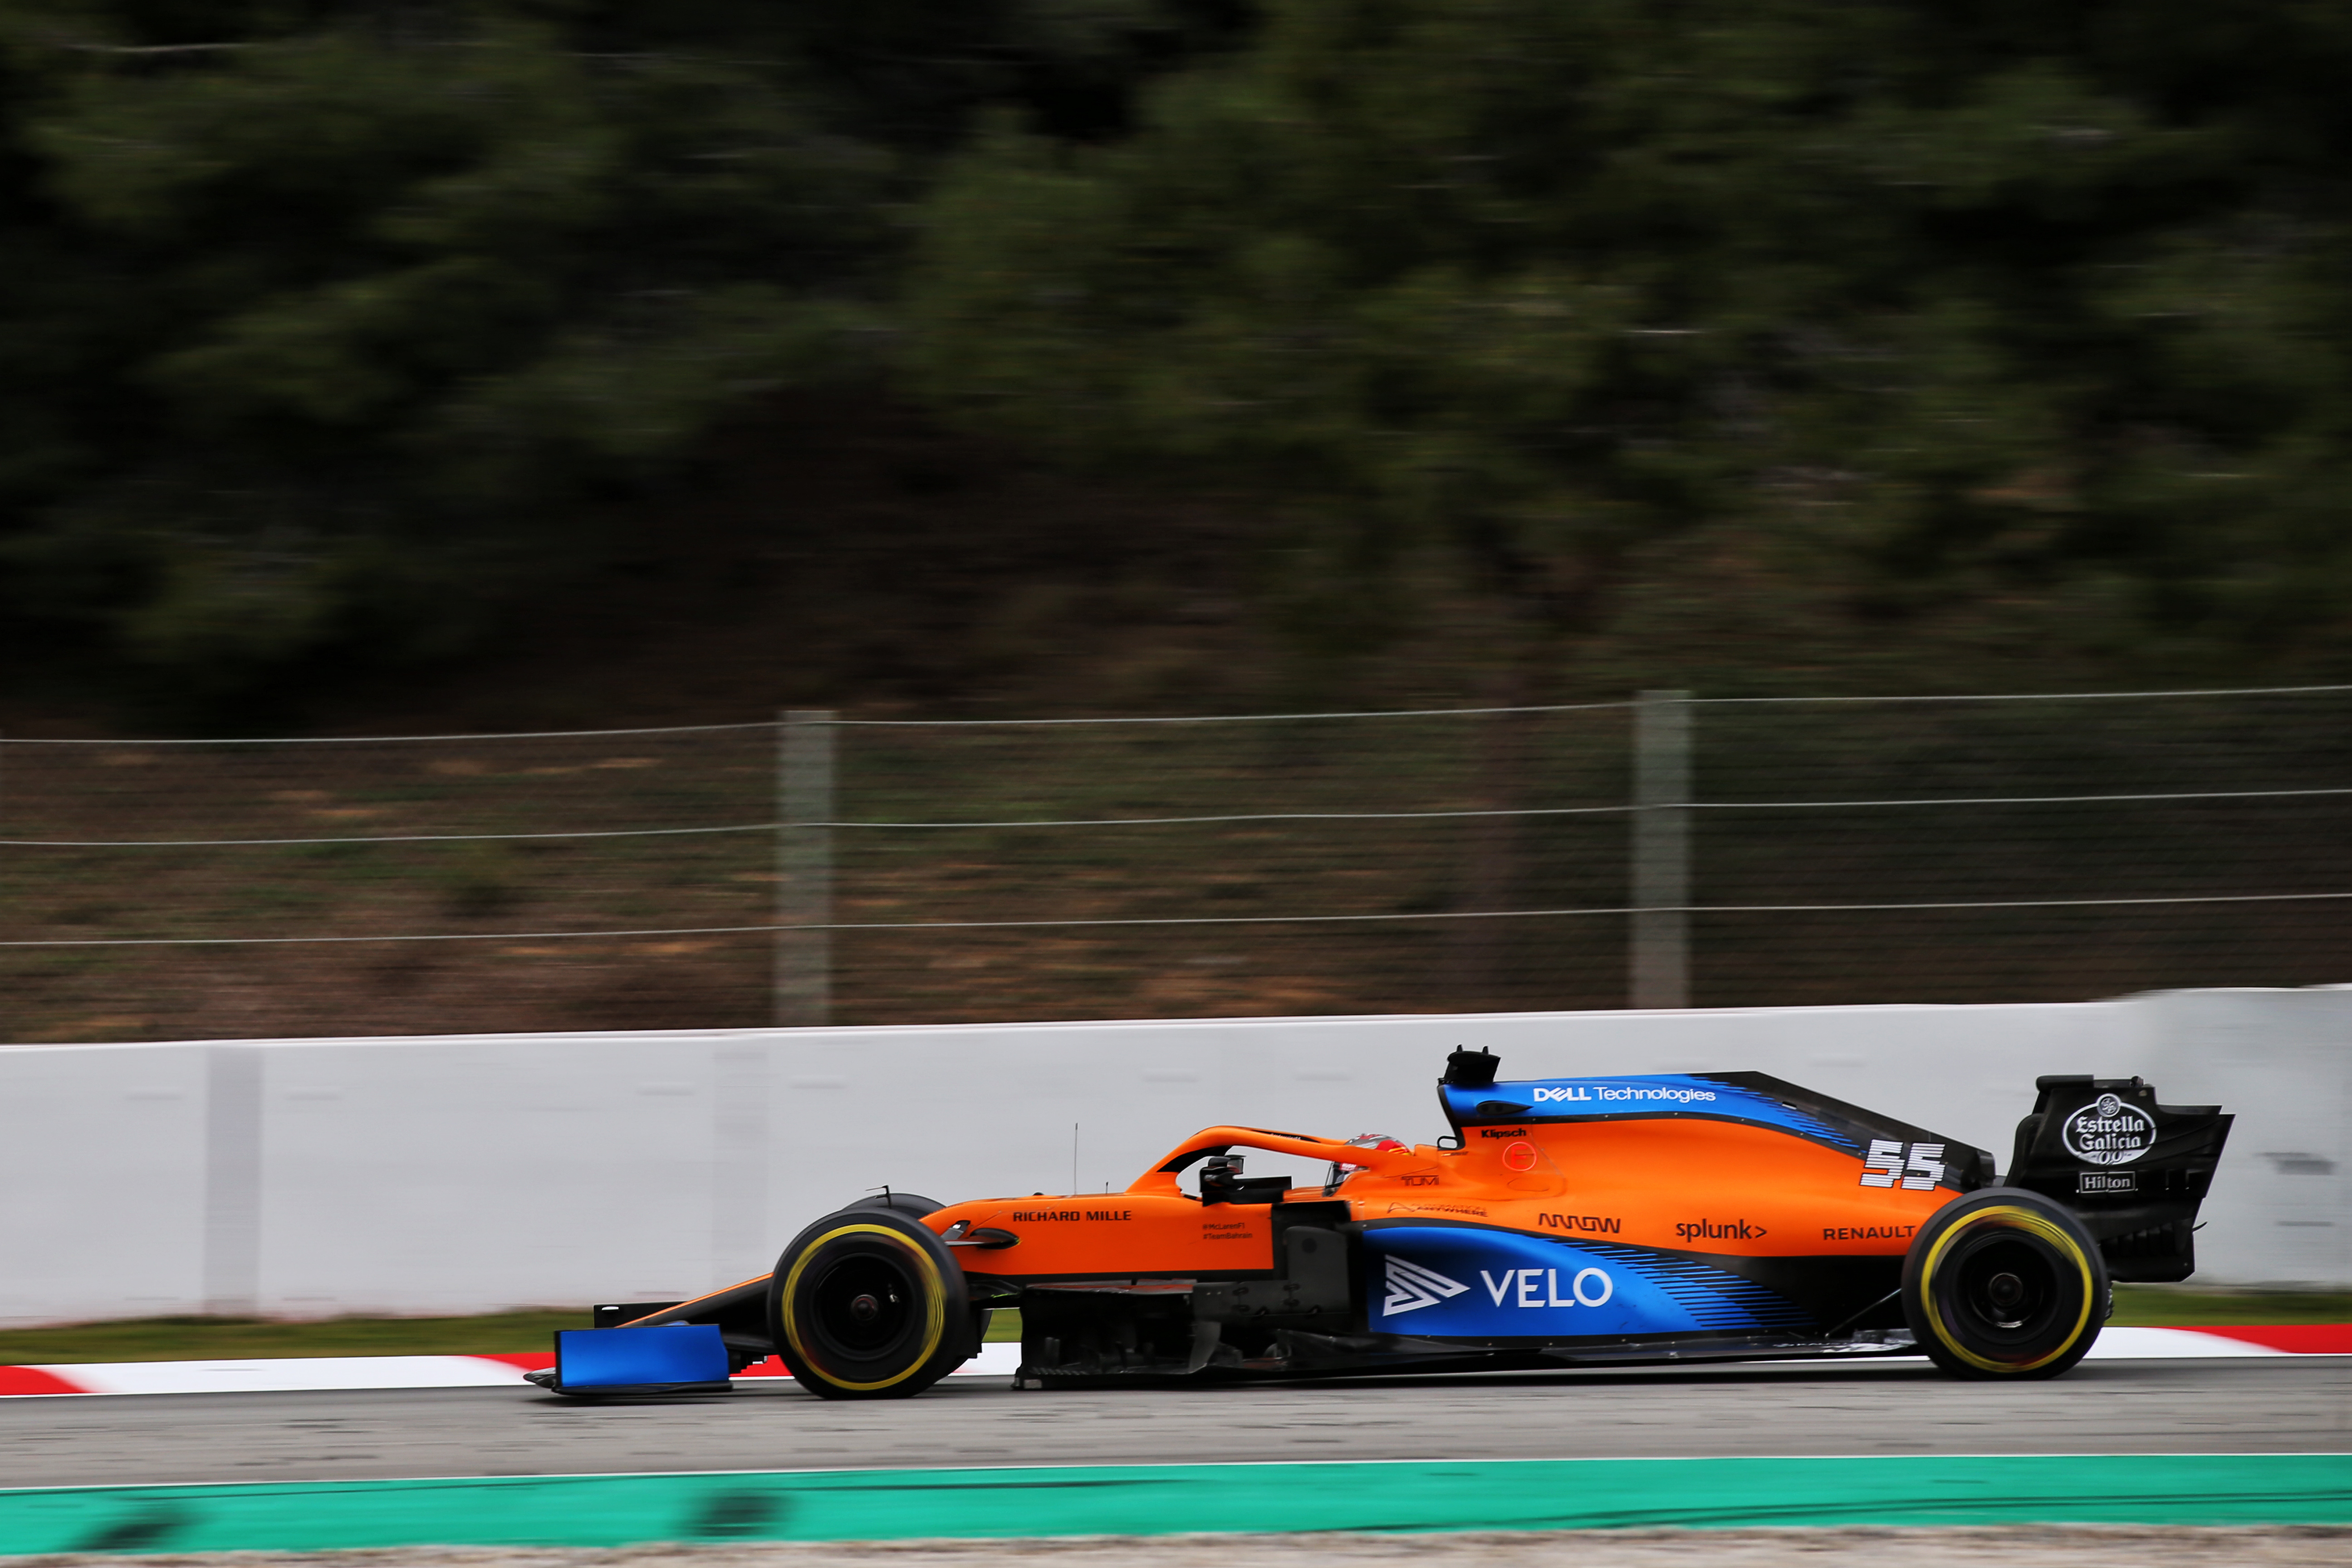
(1621, 1093)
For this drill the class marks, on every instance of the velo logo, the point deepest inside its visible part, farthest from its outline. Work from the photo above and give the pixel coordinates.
(1412, 1287)
(1591, 1287)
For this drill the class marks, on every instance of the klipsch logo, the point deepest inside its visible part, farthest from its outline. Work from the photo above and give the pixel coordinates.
(2108, 1131)
(1411, 1287)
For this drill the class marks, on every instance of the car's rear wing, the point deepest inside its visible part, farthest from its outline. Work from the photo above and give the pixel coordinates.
(2133, 1170)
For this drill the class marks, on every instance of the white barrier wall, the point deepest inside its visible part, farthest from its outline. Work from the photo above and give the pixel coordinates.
(468, 1174)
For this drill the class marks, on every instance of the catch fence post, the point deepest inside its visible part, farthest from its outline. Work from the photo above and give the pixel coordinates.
(804, 867)
(1661, 792)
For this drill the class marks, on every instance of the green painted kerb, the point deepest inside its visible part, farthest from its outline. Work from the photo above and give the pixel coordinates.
(1158, 1499)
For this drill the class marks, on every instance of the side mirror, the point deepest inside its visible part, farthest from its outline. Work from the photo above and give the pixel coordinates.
(1222, 1182)
(1220, 1177)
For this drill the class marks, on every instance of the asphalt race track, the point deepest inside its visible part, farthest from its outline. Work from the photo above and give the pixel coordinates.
(2253, 1406)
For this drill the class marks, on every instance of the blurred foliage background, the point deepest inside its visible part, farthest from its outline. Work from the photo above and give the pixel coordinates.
(332, 332)
(328, 327)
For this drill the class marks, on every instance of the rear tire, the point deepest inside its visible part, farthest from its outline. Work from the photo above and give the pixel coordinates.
(2004, 1283)
(869, 1304)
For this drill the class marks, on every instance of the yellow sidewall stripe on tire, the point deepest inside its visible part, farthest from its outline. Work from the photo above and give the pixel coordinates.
(2027, 1220)
(934, 1305)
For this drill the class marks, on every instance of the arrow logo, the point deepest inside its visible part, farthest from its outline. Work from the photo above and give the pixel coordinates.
(1412, 1287)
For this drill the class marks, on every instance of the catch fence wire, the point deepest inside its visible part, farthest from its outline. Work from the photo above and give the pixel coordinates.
(2041, 847)
(383, 885)
(1666, 851)
(1330, 863)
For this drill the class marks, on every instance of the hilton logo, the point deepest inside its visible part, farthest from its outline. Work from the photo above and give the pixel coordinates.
(2108, 1131)
(2089, 1182)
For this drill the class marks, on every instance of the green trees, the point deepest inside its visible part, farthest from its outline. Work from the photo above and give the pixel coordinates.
(337, 317)
(323, 323)
(374, 309)
(1977, 295)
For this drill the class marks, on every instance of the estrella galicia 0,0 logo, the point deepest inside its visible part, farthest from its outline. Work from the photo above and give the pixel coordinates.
(2110, 1130)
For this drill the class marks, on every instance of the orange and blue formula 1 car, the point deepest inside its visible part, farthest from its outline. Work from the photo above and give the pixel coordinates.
(1570, 1221)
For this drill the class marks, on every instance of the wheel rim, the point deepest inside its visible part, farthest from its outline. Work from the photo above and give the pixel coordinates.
(863, 1305)
(2004, 1289)
(863, 1308)
(2007, 1291)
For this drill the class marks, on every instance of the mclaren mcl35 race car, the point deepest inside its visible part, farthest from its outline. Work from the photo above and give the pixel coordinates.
(1568, 1221)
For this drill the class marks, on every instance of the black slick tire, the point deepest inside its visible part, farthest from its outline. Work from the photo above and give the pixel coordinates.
(869, 1304)
(910, 1204)
(2003, 1283)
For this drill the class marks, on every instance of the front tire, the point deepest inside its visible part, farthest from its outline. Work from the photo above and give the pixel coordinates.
(911, 1203)
(2003, 1283)
(869, 1304)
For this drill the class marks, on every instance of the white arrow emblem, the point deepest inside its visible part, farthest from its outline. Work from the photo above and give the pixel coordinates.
(1412, 1287)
